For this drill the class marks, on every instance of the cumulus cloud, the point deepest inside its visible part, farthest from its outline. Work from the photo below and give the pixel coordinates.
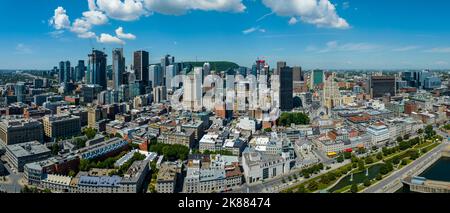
(82, 28)
(109, 39)
(95, 17)
(60, 19)
(321, 13)
(100, 11)
(123, 35)
(180, 7)
(127, 10)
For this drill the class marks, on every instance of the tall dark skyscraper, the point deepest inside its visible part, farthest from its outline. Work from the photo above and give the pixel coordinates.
(286, 89)
(280, 65)
(381, 85)
(97, 69)
(64, 72)
(80, 70)
(118, 67)
(297, 74)
(61, 71)
(141, 62)
(67, 72)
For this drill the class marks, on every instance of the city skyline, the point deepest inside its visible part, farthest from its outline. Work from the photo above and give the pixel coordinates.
(326, 34)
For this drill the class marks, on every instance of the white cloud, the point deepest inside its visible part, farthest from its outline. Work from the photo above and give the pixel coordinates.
(127, 10)
(23, 49)
(180, 7)
(60, 19)
(293, 21)
(121, 34)
(95, 17)
(252, 30)
(107, 38)
(407, 48)
(439, 50)
(321, 13)
(82, 28)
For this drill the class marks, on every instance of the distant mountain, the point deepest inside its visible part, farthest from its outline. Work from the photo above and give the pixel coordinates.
(215, 65)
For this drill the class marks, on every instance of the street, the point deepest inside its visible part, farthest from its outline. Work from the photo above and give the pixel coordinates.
(12, 185)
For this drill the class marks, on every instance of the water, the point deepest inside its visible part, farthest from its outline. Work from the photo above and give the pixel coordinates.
(439, 171)
(357, 177)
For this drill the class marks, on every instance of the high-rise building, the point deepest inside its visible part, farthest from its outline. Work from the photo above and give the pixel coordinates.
(118, 68)
(416, 78)
(97, 69)
(432, 82)
(159, 94)
(382, 85)
(331, 95)
(280, 65)
(166, 61)
(141, 63)
(80, 70)
(19, 91)
(206, 70)
(124, 93)
(64, 72)
(67, 72)
(317, 77)
(260, 67)
(155, 75)
(286, 89)
(192, 84)
(171, 72)
(297, 74)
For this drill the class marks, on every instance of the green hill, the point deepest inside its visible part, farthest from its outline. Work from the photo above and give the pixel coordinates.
(215, 65)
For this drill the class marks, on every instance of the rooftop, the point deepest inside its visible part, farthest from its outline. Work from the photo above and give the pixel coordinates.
(27, 149)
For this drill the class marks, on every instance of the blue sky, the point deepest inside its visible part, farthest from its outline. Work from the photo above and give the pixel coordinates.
(328, 34)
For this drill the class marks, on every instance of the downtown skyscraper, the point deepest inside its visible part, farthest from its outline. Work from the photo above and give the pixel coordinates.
(80, 70)
(64, 72)
(141, 62)
(118, 68)
(96, 73)
(286, 89)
